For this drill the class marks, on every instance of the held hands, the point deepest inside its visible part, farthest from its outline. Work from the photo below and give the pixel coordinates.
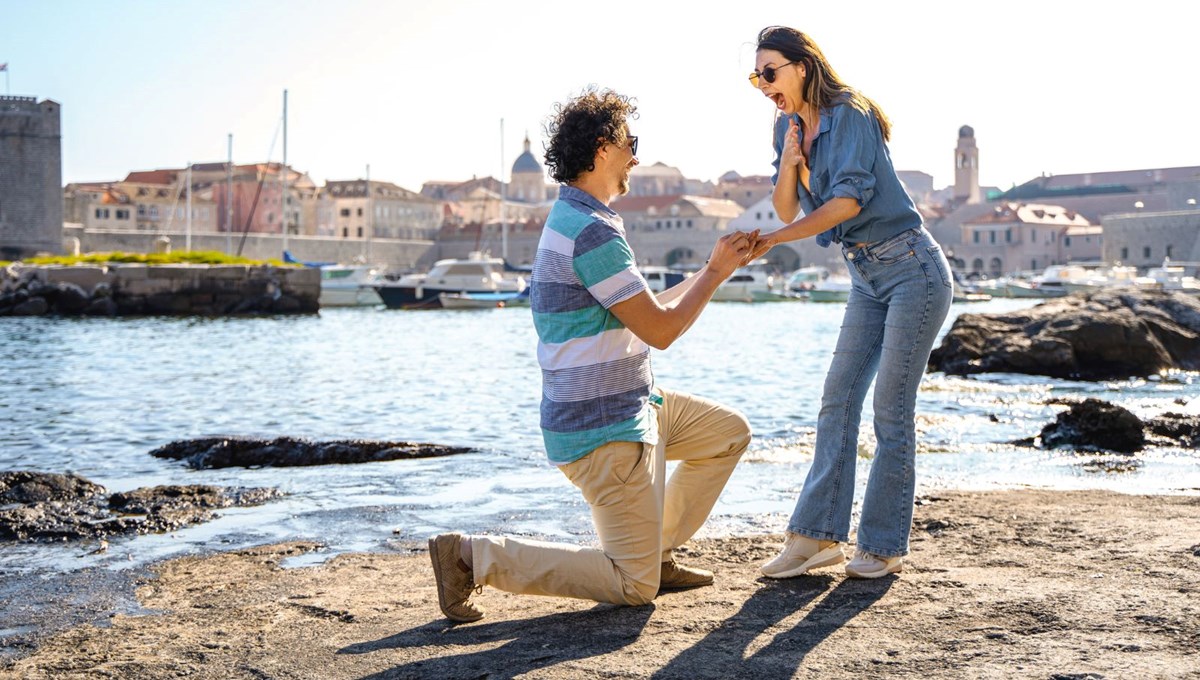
(732, 251)
(759, 245)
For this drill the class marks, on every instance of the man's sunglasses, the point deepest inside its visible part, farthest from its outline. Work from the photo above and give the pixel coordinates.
(768, 73)
(633, 144)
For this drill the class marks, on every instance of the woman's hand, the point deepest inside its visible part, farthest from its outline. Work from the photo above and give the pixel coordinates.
(791, 157)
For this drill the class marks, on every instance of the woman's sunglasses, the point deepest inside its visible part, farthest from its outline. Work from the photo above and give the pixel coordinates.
(768, 73)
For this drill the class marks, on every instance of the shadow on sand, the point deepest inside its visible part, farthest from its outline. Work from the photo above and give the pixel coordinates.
(720, 654)
(531, 644)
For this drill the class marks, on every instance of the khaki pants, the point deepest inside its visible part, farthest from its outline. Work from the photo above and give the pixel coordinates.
(639, 516)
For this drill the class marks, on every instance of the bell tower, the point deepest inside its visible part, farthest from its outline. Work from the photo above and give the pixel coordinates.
(966, 167)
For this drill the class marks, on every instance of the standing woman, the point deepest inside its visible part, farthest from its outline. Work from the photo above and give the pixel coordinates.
(832, 161)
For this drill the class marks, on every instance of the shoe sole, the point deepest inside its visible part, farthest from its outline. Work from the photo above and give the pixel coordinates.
(874, 574)
(437, 582)
(826, 558)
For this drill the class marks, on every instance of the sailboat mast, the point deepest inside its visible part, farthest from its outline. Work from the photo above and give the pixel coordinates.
(188, 241)
(503, 200)
(283, 173)
(229, 200)
(370, 216)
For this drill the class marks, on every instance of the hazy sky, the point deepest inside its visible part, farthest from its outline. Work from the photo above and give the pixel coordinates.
(418, 89)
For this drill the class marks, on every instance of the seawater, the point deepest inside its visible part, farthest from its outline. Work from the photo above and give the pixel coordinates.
(94, 396)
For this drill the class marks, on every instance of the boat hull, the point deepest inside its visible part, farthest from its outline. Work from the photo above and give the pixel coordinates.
(424, 297)
(357, 296)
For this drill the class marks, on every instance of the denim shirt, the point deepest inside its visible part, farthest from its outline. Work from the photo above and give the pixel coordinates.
(848, 158)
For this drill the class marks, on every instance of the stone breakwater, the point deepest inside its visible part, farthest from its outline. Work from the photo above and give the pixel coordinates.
(139, 289)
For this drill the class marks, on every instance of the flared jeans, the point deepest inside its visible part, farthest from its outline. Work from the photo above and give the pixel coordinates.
(901, 294)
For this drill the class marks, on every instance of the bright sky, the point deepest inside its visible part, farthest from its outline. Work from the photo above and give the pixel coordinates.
(417, 89)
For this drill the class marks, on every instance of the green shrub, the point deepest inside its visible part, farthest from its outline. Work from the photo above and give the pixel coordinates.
(180, 257)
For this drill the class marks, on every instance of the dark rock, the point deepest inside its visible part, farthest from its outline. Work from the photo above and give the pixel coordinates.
(1097, 336)
(1180, 429)
(38, 506)
(66, 298)
(168, 303)
(34, 306)
(221, 452)
(42, 487)
(286, 304)
(1093, 425)
(102, 307)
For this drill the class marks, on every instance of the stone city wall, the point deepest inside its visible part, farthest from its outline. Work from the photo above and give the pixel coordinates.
(399, 255)
(137, 289)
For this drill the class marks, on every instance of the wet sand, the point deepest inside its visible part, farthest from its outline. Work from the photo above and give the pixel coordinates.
(1029, 583)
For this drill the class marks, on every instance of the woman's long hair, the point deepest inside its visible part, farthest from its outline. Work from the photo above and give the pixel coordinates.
(822, 87)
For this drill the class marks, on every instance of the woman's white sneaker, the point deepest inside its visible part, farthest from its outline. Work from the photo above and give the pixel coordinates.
(800, 554)
(866, 565)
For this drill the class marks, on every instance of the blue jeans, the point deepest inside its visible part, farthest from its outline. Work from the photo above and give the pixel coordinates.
(900, 298)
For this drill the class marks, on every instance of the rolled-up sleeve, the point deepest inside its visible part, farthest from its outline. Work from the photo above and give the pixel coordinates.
(855, 138)
(781, 124)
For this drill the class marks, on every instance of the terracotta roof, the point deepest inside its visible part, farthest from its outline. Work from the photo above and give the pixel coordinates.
(152, 176)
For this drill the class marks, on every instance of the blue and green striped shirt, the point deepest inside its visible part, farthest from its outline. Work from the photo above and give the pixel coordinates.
(596, 377)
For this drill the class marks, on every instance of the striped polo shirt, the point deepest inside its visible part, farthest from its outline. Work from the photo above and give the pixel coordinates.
(596, 376)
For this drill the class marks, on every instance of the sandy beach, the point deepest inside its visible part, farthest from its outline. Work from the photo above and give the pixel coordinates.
(1027, 583)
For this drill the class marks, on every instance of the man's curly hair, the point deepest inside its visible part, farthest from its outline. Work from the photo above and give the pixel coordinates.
(580, 127)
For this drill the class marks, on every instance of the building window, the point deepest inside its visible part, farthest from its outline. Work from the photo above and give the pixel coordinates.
(991, 237)
(1125, 253)
(1033, 264)
(1033, 235)
(1146, 252)
(1067, 241)
(154, 212)
(345, 212)
(360, 232)
(1008, 235)
(770, 215)
(122, 214)
(758, 215)
(1170, 249)
(97, 213)
(141, 211)
(345, 232)
(976, 237)
(689, 223)
(360, 212)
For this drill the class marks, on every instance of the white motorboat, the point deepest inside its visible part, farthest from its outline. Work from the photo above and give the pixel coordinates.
(833, 289)
(1168, 277)
(1101, 279)
(661, 278)
(476, 273)
(751, 283)
(805, 279)
(349, 285)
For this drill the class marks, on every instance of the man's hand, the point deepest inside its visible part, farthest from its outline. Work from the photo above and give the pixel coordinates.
(729, 253)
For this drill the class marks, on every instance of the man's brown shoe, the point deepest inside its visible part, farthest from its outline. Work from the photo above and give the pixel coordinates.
(454, 579)
(675, 576)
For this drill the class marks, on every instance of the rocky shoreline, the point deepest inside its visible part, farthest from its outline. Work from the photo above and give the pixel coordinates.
(1028, 583)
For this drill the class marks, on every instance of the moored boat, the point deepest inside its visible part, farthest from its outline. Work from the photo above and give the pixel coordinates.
(471, 275)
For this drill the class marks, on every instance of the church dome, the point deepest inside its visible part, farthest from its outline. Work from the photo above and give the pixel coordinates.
(526, 162)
